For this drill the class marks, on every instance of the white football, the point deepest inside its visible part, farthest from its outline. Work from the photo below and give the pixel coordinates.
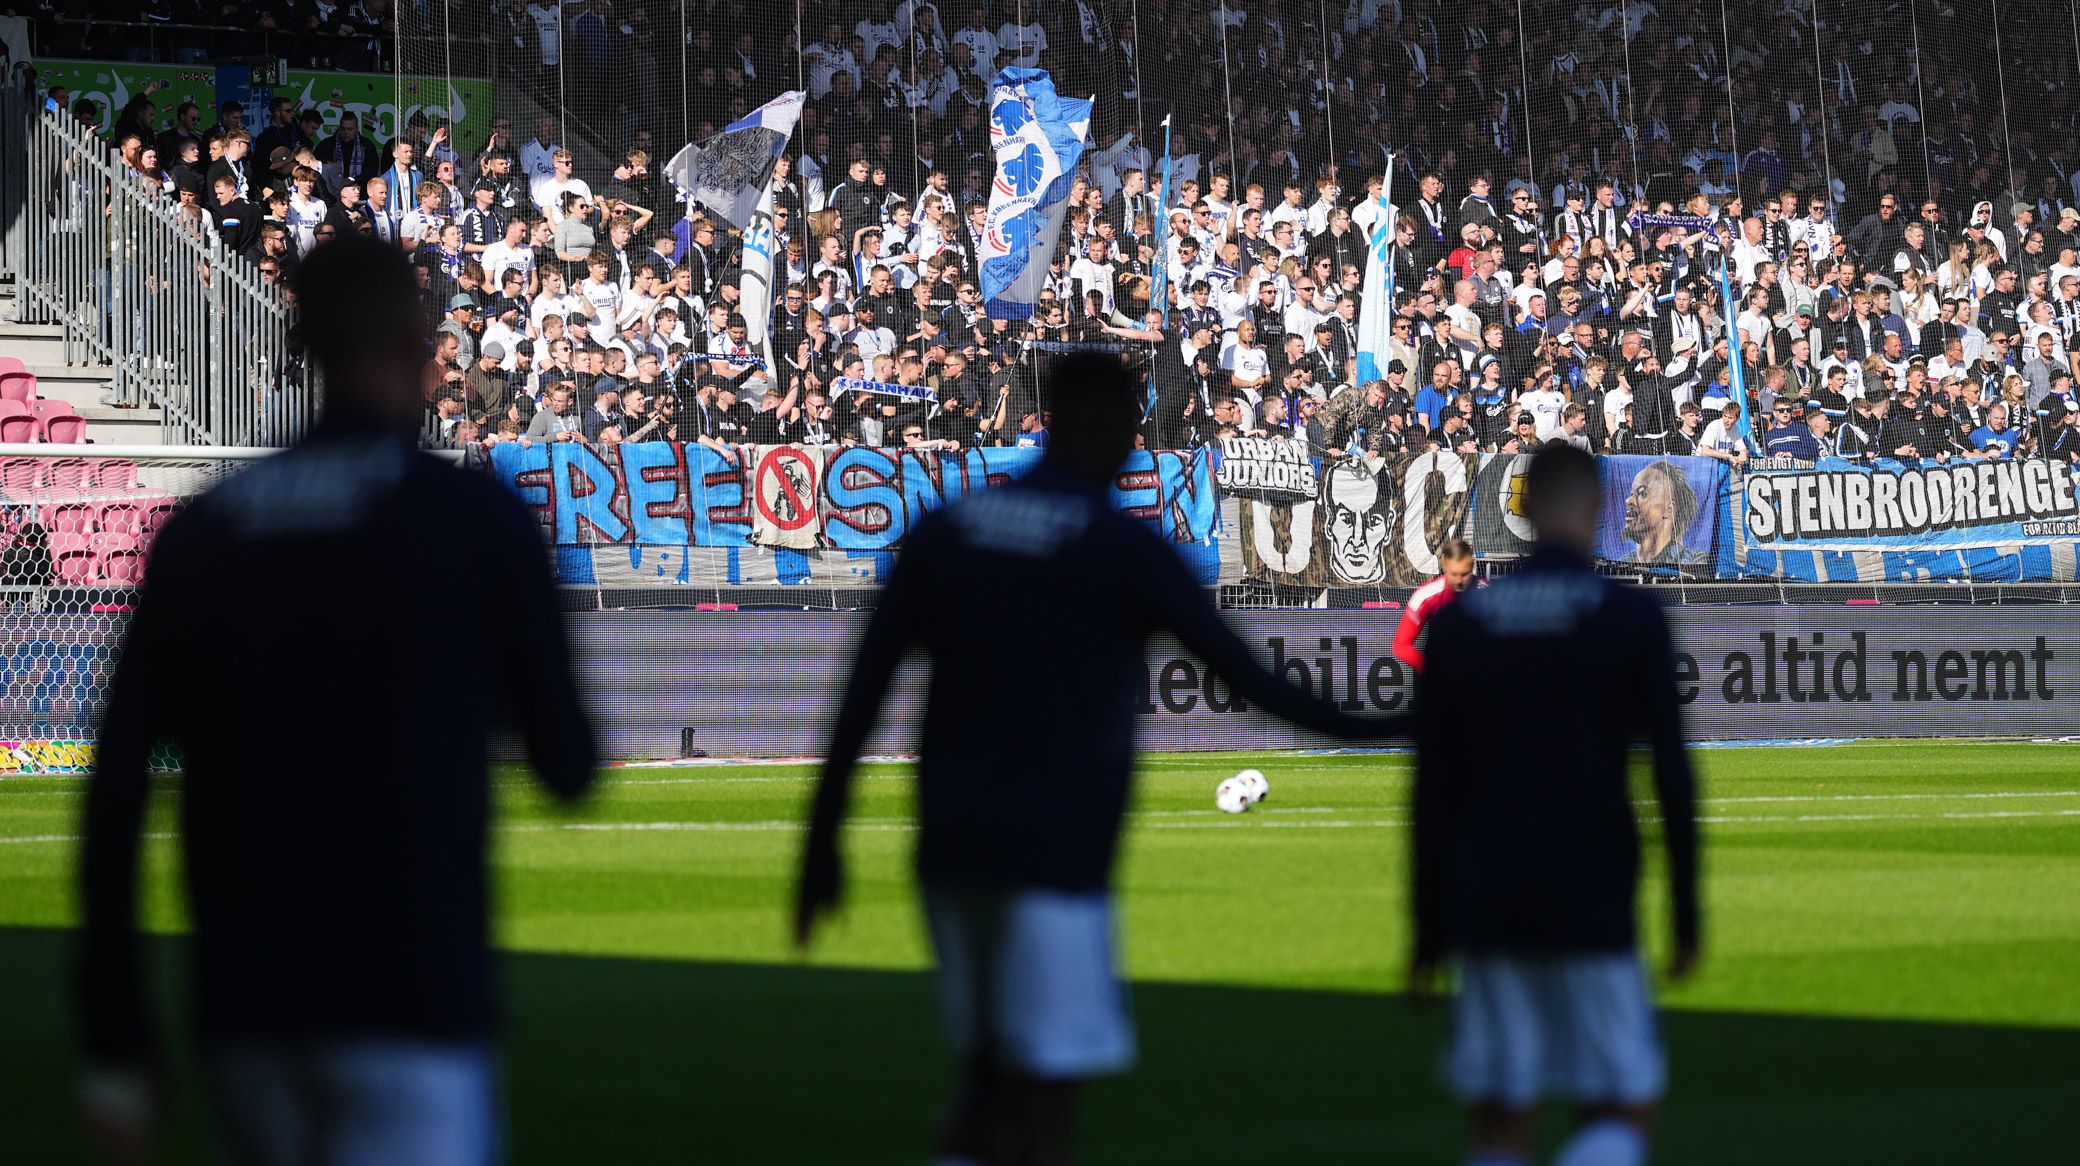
(1259, 787)
(1232, 797)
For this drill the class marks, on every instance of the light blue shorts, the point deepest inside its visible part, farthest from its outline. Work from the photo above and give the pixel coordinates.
(1576, 1026)
(373, 1102)
(1027, 975)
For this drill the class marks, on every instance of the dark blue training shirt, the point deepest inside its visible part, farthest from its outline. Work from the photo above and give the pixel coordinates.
(328, 637)
(1524, 840)
(1034, 603)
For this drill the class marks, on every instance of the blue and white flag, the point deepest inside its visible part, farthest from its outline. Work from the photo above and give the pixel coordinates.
(728, 173)
(1376, 301)
(1038, 138)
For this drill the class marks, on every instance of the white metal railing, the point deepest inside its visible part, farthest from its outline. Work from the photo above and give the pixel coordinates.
(144, 287)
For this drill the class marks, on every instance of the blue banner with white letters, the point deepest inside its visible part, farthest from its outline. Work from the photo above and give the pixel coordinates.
(1996, 521)
(798, 514)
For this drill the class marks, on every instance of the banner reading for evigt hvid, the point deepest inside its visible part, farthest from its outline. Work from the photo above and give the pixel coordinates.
(1993, 521)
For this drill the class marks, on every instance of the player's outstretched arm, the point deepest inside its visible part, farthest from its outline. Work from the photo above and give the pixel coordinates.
(561, 747)
(821, 885)
(1675, 787)
(1182, 607)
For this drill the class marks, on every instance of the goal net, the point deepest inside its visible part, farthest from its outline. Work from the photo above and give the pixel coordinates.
(76, 528)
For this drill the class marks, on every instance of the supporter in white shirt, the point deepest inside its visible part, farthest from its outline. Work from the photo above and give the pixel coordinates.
(1247, 363)
(1546, 403)
(1306, 309)
(548, 192)
(537, 156)
(1025, 40)
(978, 47)
(555, 301)
(509, 253)
(878, 36)
(1094, 272)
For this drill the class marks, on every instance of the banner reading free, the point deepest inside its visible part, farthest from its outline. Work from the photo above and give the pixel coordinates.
(794, 499)
(376, 98)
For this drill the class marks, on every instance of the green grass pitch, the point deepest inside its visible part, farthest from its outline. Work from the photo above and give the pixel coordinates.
(1892, 970)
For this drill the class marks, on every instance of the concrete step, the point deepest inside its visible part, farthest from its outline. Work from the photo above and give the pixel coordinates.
(34, 343)
(82, 386)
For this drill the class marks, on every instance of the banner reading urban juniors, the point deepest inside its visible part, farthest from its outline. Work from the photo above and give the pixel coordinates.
(1375, 522)
(1993, 521)
(794, 499)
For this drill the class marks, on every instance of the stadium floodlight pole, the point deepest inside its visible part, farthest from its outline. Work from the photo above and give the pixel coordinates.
(1160, 287)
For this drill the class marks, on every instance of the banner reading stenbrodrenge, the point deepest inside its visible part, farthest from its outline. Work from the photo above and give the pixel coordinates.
(1993, 521)
(1375, 522)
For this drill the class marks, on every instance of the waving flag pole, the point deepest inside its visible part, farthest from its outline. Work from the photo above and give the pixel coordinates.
(1376, 305)
(731, 175)
(1038, 137)
(1733, 348)
(1159, 289)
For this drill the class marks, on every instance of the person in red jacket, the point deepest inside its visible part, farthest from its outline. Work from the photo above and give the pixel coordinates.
(1456, 559)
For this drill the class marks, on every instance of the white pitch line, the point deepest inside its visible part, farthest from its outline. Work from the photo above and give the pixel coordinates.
(1203, 820)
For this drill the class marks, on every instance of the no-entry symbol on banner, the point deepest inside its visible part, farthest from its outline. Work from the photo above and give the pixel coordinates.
(784, 490)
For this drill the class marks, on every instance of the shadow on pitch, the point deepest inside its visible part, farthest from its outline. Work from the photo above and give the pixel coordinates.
(637, 1061)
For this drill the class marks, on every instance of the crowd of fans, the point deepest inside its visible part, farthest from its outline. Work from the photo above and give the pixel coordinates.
(1904, 258)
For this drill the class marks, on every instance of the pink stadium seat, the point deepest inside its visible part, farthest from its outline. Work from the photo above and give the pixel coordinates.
(77, 517)
(12, 364)
(124, 517)
(46, 407)
(17, 423)
(107, 542)
(21, 477)
(18, 386)
(110, 474)
(157, 511)
(67, 475)
(78, 568)
(123, 567)
(64, 429)
(70, 540)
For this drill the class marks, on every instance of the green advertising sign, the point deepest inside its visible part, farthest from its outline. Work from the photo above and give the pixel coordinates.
(375, 97)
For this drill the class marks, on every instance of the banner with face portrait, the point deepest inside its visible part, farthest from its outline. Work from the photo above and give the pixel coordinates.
(1374, 522)
(1661, 513)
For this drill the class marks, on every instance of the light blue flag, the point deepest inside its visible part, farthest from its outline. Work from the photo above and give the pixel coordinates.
(1038, 138)
(1376, 303)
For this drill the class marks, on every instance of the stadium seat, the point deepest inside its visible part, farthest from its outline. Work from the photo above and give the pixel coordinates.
(21, 477)
(78, 568)
(74, 517)
(107, 542)
(63, 429)
(156, 512)
(123, 567)
(126, 518)
(17, 423)
(18, 386)
(70, 540)
(12, 364)
(111, 474)
(67, 475)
